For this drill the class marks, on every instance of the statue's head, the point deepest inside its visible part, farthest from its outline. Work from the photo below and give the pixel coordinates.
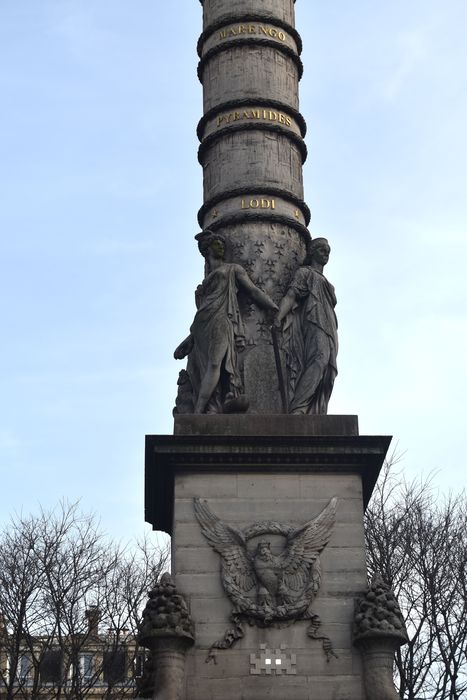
(263, 547)
(210, 243)
(318, 249)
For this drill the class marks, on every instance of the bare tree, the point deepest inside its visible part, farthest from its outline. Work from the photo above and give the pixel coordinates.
(417, 540)
(70, 601)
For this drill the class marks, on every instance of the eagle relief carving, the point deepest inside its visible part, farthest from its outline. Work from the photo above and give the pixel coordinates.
(268, 588)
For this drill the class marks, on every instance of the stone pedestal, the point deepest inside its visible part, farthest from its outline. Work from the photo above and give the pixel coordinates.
(254, 470)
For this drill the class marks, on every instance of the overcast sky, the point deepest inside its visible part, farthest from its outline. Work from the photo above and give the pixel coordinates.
(99, 191)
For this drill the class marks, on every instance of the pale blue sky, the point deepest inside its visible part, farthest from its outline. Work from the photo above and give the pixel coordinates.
(99, 190)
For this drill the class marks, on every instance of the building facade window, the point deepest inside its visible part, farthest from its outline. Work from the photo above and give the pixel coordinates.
(86, 666)
(140, 660)
(24, 668)
(114, 666)
(51, 665)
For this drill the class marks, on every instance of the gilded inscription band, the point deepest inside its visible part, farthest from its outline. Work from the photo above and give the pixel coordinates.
(259, 29)
(264, 114)
(258, 23)
(249, 31)
(249, 203)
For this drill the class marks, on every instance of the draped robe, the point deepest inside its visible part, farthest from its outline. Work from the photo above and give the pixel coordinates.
(310, 342)
(217, 324)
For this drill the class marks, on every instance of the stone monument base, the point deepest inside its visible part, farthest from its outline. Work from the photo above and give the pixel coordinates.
(266, 477)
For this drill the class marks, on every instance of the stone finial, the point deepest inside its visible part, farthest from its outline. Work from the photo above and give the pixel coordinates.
(377, 614)
(378, 631)
(167, 631)
(165, 615)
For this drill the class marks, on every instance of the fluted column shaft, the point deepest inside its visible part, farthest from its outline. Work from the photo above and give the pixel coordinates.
(252, 151)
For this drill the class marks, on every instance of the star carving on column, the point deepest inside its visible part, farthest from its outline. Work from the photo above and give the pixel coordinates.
(264, 329)
(249, 265)
(260, 283)
(250, 310)
(279, 249)
(259, 245)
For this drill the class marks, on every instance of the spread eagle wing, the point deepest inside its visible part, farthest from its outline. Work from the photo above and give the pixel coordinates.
(300, 559)
(230, 543)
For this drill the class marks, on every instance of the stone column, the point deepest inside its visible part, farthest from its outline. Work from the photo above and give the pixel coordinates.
(378, 661)
(252, 151)
(167, 631)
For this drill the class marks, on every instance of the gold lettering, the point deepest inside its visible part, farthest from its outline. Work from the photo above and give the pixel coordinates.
(266, 114)
(223, 34)
(258, 204)
(242, 29)
(232, 32)
(267, 31)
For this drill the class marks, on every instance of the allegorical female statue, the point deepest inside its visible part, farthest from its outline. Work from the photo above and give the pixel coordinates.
(217, 335)
(309, 331)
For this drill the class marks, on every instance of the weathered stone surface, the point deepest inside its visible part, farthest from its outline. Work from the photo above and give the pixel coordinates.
(197, 570)
(240, 73)
(265, 425)
(213, 10)
(267, 582)
(306, 327)
(230, 456)
(289, 479)
(217, 336)
(377, 614)
(378, 631)
(344, 536)
(282, 167)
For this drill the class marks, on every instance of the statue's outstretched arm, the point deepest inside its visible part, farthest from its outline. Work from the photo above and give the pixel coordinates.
(258, 296)
(286, 305)
(184, 349)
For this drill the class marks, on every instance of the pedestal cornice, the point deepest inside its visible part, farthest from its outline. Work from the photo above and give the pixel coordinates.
(169, 455)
